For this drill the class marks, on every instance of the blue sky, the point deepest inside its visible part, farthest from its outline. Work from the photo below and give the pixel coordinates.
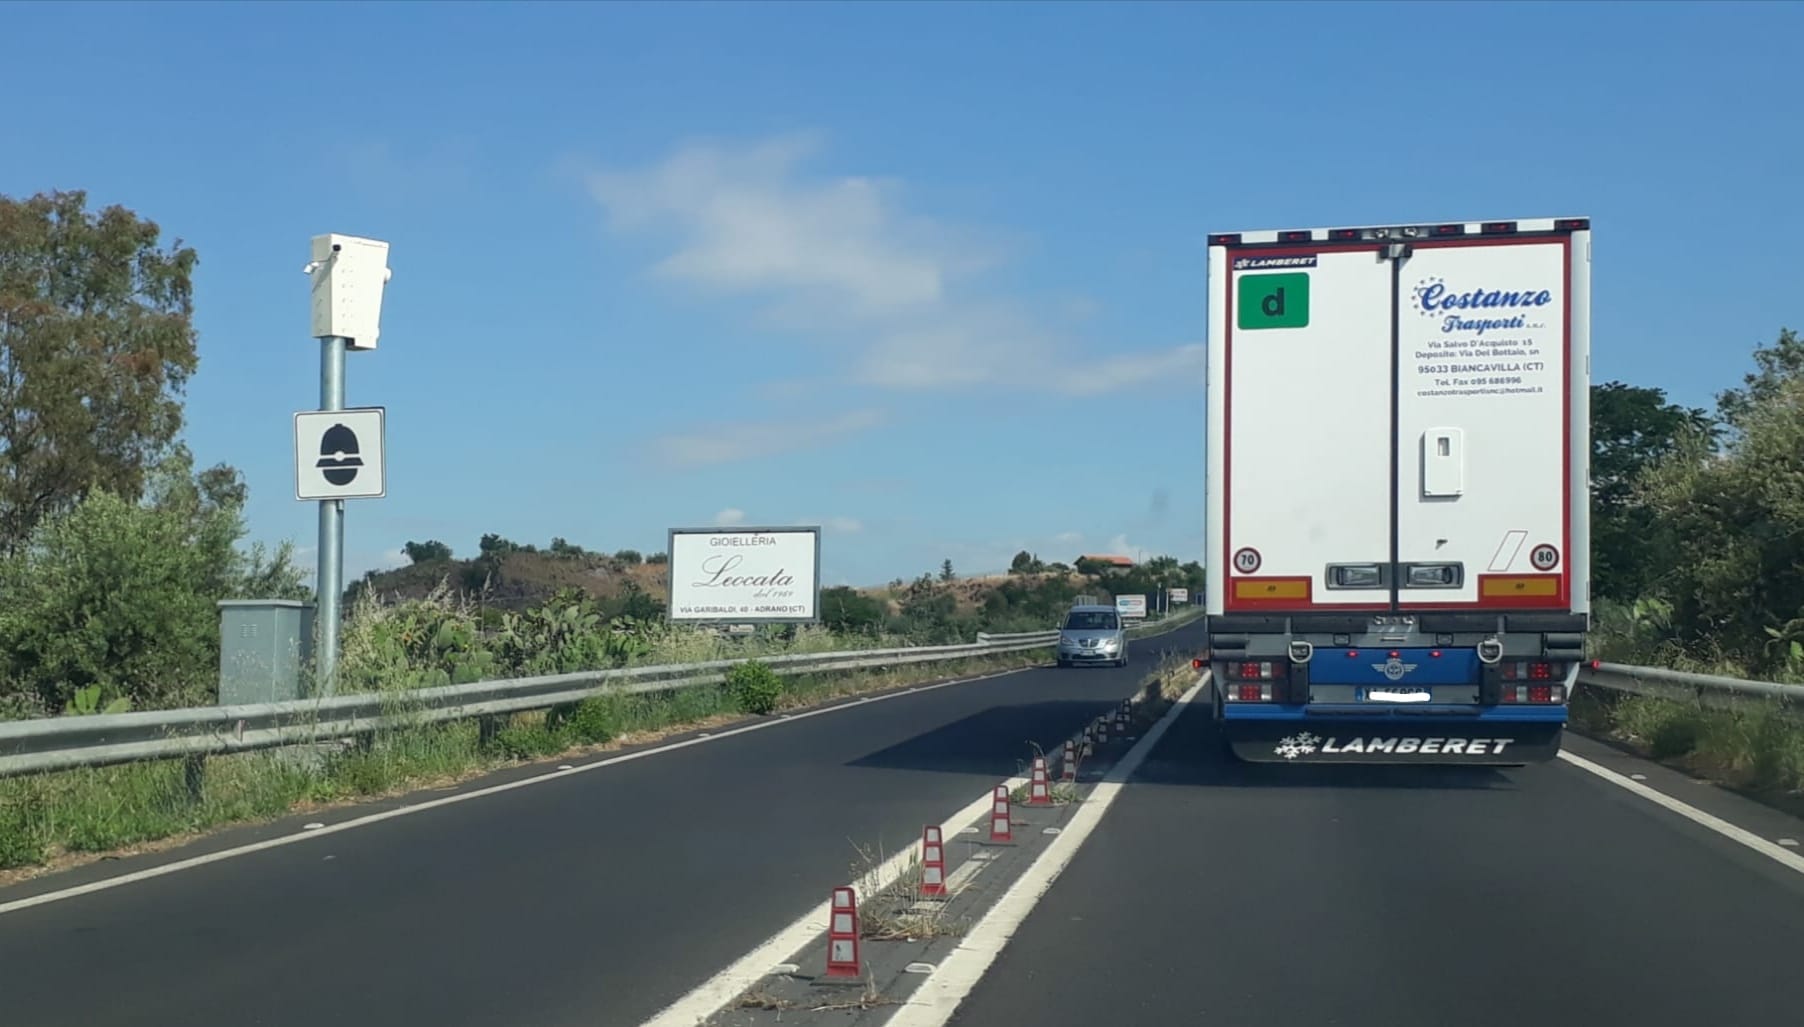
(929, 275)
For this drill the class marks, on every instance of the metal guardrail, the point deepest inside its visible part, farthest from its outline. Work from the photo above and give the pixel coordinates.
(61, 743)
(1683, 686)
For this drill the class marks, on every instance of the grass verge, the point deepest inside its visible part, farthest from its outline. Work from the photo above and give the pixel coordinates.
(1757, 750)
(52, 821)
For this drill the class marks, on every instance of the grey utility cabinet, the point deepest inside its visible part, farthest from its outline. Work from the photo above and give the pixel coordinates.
(265, 646)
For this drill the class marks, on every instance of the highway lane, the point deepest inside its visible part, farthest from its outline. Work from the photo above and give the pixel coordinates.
(591, 899)
(1216, 892)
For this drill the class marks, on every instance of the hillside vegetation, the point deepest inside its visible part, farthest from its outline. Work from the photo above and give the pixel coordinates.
(505, 576)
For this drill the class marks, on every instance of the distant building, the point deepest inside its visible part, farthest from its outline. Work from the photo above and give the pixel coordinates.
(1104, 558)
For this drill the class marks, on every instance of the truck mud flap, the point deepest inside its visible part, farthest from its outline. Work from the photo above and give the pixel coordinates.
(1390, 741)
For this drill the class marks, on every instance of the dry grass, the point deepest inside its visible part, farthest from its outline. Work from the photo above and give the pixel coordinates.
(897, 912)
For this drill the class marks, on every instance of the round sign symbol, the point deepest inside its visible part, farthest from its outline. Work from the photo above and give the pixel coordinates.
(1544, 557)
(1246, 561)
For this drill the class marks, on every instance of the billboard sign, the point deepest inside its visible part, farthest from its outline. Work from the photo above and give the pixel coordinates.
(743, 575)
(1130, 607)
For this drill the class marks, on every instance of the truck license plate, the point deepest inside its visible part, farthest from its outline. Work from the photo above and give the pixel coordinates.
(1398, 695)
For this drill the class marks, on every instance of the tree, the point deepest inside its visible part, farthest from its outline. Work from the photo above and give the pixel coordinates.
(946, 571)
(1726, 523)
(97, 343)
(492, 544)
(849, 610)
(630, 557)
(1632, 430)
(1026, 563)
(1775, 365)
(426, 552)
(122, 594)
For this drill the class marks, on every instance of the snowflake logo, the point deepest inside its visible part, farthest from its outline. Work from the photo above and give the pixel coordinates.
(1298, 745)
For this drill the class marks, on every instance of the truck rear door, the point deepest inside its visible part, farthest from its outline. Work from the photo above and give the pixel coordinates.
(1396, 418)
(1484, 431)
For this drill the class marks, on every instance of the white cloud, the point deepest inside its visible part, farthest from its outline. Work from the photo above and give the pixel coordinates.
(1068, 538)
(838, 257)
(729, 517)
(838, 525)
(747, 225)
(725, 443)
(1120, 546)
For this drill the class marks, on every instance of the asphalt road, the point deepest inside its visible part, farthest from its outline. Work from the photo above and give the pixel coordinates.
(1220, 893)
(592, 899)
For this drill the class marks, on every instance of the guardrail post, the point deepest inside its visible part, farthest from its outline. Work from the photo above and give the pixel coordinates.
(194, 777)
(487, 727)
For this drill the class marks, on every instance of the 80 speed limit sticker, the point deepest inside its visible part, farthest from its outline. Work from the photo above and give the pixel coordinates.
(1544, 557)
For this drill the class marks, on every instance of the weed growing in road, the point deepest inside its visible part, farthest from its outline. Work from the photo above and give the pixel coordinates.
(898, 912)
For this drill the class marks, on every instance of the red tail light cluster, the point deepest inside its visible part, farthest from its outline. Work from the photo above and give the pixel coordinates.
(1533, 670)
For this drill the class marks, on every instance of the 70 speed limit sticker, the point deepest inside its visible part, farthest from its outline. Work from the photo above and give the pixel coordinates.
(1247, 560)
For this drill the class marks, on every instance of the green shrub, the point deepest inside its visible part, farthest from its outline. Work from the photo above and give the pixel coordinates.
(754, 687)
(594, 721)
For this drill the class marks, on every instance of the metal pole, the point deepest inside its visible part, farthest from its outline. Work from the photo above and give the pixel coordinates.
(330, 578)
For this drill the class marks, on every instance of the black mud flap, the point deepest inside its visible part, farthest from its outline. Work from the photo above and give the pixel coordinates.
(1392, 741)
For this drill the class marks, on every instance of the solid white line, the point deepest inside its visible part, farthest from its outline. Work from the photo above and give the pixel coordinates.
(934, 1002)
(314, 832)
(712, 995)
(1696, 816)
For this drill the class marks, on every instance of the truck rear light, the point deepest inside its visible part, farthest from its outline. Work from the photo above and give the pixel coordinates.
(1343, 234)
(1450, 229)
(1196, 664)
(1572, 224)
(1225, 239)
(1258, 670)
(1357, 575)
(1538, 695)
(1498, 228)
(1435, 575)
(1533, 670)
(1254, 693)
(1295, 236)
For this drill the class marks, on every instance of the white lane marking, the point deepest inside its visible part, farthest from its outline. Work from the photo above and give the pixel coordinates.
(1691, 813)
(315, 830)
(934, 1002)
(712, 995)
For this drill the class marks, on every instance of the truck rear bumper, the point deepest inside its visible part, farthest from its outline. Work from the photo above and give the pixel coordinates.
(1320, 737)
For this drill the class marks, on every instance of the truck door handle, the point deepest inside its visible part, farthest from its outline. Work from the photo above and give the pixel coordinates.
(1443, 463)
